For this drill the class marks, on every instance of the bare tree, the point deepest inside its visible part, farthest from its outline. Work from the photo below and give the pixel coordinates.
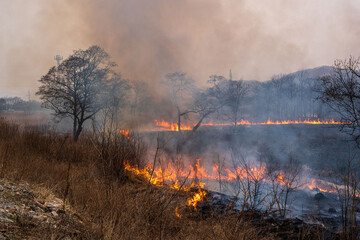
(204, 105)
(180, 86)
(248, 184)
(211, 100)
(219, 168)
(348, 193)
(341, 92)
(75, 88)
(283, 179)
(236, 93)
(285, 182)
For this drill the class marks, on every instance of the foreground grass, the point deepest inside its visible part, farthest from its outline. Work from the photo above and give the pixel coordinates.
(89, 176)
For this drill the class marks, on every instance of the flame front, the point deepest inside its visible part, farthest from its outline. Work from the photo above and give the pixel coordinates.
(169, 177)
(166, 126)
(313, 185)
(176, 179)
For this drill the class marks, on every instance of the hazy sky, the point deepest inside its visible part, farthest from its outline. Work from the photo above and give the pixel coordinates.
(149, 38)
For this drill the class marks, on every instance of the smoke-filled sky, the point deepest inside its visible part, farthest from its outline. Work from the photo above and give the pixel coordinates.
(256, 39)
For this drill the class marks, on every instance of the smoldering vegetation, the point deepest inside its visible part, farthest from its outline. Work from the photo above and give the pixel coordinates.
(160, 118)
(265, 168)
(226, 135)
(89, 176)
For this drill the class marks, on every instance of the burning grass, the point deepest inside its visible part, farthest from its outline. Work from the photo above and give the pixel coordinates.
(166, 126)
(97, 179)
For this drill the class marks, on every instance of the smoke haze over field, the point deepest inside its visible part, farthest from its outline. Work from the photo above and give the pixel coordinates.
(148, 39)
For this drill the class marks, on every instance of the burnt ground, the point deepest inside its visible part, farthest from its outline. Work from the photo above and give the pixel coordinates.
(317, 146)
(280, 228)
(322, 148)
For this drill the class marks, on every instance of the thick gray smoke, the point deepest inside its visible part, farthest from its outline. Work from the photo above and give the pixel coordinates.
(256, 39)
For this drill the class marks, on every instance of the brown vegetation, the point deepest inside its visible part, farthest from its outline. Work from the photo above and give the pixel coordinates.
(89, 176)
(24, 119)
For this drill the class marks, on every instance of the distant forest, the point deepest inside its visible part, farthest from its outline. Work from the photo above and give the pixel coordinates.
(284, 97)
(289, 97)
(16, 104)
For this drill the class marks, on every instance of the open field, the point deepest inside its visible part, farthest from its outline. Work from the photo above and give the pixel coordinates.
(317, 146)
(114, 204)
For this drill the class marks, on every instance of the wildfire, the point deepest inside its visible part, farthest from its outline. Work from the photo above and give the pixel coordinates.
(199, 196)
(126, 133)
(166, 126)
(177, 212)
(282, 181)
(170, 126)
(313, 185)
(170, 177)
(176, 179)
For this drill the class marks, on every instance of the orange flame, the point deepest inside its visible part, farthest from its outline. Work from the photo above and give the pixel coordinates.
(126, 133)
(168, 177)
(171, 177)
(313, 185)
(166, 126)
(197, 198)
(282, 181)
(177, 214)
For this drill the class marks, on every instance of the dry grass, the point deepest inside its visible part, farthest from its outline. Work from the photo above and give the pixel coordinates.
(115, 205)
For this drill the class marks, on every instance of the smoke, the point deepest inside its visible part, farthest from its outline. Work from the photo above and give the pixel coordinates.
(148, 39)
(32, 33)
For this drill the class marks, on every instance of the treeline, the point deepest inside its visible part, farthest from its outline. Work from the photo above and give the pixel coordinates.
(86, 86)
(10, 104)
(290, 97)
(284, 97)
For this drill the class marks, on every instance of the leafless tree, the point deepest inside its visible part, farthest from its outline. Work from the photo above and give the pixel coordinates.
(204, 105)
(248, 184)
(210, 101)
(283, 178)
(180, 87)
(284, 181)
(236, 94)
(75, 88)
(219, 167)
(341, 92)
(348, 192)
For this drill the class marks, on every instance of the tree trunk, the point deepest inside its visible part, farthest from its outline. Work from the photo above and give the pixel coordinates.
(200, 121)
(74, 129)
(179, 120)
(78, 131)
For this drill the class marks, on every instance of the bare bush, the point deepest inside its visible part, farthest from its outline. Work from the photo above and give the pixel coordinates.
(284, 179)
(248, 185)
(348, 195)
